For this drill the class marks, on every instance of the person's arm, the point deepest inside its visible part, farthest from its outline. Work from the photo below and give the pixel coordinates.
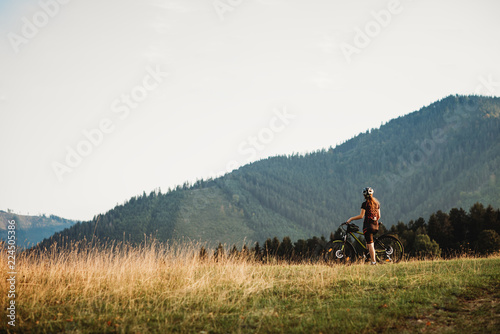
(378, 214)
(360, 216)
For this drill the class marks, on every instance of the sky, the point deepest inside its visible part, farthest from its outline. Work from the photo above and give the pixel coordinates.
(101, 101)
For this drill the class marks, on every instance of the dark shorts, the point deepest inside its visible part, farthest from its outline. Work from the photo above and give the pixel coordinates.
(369, 230)
(368, 233)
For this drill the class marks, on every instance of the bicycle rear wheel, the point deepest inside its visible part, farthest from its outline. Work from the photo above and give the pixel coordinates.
(336, 252)
(388, 249)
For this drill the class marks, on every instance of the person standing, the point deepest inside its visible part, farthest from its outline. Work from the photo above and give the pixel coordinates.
(370, 211)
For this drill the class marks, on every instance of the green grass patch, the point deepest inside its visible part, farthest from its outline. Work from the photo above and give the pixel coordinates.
(150, 296)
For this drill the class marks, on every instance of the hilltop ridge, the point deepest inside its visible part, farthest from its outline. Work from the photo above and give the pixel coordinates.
(442, 156)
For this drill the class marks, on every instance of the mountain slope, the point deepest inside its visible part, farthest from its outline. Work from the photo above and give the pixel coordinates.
(32, 229)
(444, 155)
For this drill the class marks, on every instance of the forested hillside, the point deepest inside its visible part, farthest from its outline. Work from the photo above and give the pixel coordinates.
(32, 229)
(446, 155)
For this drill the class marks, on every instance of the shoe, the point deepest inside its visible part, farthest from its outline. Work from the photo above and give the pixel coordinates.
(373, 263)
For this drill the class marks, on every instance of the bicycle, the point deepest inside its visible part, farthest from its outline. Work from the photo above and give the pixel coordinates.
(388, 248)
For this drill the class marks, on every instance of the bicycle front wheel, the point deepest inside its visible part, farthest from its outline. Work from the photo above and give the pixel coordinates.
(338, 252)
(388, 249)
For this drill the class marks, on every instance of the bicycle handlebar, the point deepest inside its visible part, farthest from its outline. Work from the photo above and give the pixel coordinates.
(346, 223)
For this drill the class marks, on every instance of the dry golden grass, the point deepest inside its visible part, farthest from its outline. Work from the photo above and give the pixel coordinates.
(167, 288)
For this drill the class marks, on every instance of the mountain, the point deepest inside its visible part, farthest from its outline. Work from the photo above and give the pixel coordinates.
(442, 156)
(30, 230)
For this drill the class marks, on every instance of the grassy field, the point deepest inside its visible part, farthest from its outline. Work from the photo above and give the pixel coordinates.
(168, 289)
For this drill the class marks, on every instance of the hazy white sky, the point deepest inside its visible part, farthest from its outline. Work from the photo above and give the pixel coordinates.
(102, 100)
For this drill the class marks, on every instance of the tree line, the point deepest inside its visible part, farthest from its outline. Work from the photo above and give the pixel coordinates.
(446, 235)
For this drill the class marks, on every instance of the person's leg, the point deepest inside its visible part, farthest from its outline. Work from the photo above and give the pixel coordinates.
(371, 249)
(370, 245)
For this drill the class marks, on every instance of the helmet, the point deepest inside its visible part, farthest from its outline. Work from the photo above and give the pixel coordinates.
(367, 191)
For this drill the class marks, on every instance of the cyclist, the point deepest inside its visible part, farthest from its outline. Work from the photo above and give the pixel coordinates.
(370, 211)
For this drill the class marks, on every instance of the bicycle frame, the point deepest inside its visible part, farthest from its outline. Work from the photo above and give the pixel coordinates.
(355, 238)
(385, 248)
